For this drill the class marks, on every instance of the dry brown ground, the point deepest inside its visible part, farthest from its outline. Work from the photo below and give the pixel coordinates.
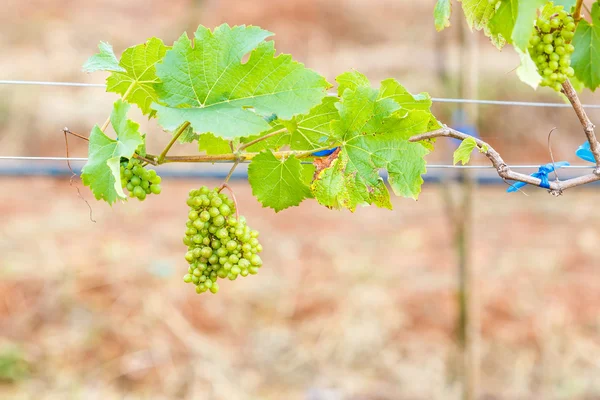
(360, 304)
(357, 307)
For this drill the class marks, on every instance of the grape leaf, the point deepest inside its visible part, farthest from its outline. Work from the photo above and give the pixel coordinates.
(441, 14)
(478, 14)
(187, 136)
(351, 80)
(523, 28)
(463, 152)
(373, 136)
(527, 71)
(207, 84)
(274, 142)
(504, 20)
(391, 89)
(312, 130)
(279, 184)
(139, 76)
(212, 144)
(102, 171)
(105, 60)
(586, 58)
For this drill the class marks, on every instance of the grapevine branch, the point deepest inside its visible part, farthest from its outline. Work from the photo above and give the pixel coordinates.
(240, 156)
(504, 171)
(588, 126)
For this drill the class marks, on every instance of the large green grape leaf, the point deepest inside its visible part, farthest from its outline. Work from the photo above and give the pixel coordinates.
(586, 58)
(279, 183)
(207, 84)
(102, 171)
(139, 76)
(441, 14)
(374, 134)
(105, 60)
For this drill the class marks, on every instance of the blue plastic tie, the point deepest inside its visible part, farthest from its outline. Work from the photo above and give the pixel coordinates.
(324, 153)
(542, 175)
(585, 153)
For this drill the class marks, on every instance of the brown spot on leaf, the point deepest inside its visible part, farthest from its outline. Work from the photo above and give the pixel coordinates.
(321, 163)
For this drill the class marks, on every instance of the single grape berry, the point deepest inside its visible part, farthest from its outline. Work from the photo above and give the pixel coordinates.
(138, 180)
(219, 245)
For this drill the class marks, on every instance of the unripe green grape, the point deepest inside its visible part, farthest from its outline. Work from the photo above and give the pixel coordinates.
(560, 50)
(244, 272)
(222, 252)
(253, 270)
(212, 229)
(569, 48)
(195, 279)
(554, 23)
(139, 192)
(187, 278)
(155, 188)
(548, 49)
(127, 173)
(222, 273)
(539, 48)
(557, 86)
(553, 65)
(129, 187)
(570, 72)
(548, 38)
(545, 27)
(219, 220)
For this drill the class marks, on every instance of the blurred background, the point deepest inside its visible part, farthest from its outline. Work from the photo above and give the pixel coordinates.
(468, 293)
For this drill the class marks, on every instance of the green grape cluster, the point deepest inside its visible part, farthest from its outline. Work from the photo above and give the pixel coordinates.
(550, 48)
(138, 180)
(219, 244)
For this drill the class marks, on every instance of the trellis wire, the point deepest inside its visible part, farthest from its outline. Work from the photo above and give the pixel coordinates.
(432, 166)
(434, 99)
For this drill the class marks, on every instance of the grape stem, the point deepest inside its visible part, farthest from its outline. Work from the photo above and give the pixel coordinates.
(224, 185)
(176, 135)
(503, 170)
(233, 167)
(211, 158)
(577, 12)
(277, 132)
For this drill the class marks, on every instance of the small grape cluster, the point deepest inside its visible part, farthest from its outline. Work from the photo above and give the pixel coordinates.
(219, 244)
(550, 48)
(138, 180)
